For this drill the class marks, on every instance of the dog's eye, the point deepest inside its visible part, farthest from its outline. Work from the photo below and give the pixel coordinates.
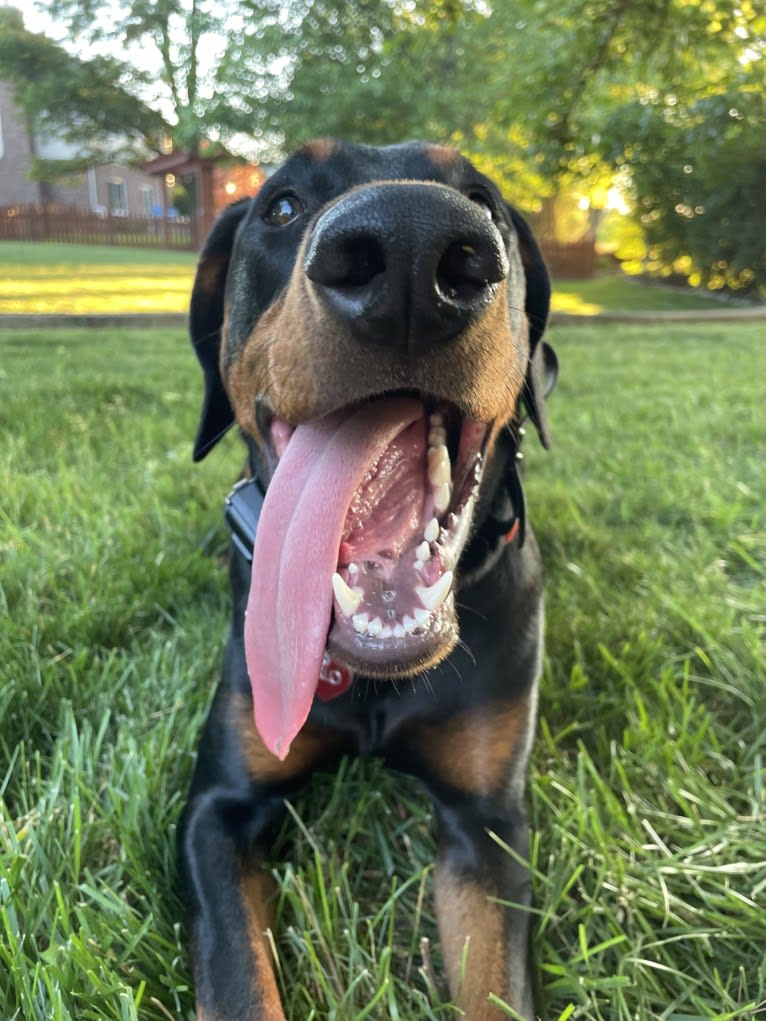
(484, 202)
(283, 210)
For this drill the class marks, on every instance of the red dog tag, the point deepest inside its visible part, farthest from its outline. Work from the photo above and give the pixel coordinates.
(334, 679)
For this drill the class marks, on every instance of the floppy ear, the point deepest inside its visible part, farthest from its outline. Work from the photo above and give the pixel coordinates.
(205, 321)
(543, 364)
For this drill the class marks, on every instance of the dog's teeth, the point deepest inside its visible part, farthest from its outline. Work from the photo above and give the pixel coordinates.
(409, 623)
(442, 497)
(436, 419)
(439, 468)
(452, 522)
(432, 531)
(375, 627)
(399, 631)
(348, 598)
(433, 596)
(421, 616)
(386, 631)
(353, 568)
(360, 622)
(437, 437)
(423, 552)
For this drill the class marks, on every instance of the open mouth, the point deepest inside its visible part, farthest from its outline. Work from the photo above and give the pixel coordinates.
(364, 521)
(402, 536)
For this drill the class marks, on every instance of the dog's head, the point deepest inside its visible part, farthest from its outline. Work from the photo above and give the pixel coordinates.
(373, 320)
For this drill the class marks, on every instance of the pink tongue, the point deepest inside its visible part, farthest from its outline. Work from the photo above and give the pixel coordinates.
(296, 553)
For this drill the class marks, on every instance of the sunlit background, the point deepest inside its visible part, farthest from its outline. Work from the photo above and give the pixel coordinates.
(634, 131)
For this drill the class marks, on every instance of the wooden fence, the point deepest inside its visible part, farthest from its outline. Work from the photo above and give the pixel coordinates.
(67, 224)
(571, 261)
(70, 225)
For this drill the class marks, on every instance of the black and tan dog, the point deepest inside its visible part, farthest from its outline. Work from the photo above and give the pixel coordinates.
(372, 320)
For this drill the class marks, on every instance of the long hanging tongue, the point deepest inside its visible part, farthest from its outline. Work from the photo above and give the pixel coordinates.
(296, 552)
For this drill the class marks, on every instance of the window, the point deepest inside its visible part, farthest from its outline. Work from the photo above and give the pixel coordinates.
(146, 200)
(117, 196)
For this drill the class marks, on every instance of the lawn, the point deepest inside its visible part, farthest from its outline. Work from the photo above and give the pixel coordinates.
(37, 277)
(614, 291)
(648, 783)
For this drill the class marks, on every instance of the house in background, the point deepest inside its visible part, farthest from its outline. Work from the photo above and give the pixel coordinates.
(110, 188)
(170, 200)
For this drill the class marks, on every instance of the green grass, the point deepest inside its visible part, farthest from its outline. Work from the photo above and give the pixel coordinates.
(37, 277)
(617, 292)
(647, 787)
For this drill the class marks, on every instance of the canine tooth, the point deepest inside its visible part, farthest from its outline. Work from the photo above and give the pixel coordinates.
(437, 437)
(423, 552)
(348, 598)
(433, 596)
(440, 473)
(409, 623)
(421, 616)
(399, 631)
(360, 622)
(431, 533)
(442, 497)
(439, 467)
(375, 627)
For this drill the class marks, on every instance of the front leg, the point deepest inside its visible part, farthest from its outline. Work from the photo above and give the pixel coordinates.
(474, 766)
(229, 897)
(238, 792)
(485, 941)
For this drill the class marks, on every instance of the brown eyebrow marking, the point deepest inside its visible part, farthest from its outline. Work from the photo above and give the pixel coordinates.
(443, 156)
(319, 149)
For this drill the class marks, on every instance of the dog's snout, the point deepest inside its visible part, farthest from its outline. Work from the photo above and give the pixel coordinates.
(405, 264)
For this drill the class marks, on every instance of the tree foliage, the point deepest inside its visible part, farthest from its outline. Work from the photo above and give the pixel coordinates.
(80, 101)
(701, 204)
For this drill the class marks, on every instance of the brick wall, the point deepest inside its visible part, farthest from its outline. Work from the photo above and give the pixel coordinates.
(15, 155)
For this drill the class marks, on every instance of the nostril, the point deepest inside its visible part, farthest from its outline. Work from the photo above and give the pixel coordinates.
(462, 274)
(346, 262)
(365, 260)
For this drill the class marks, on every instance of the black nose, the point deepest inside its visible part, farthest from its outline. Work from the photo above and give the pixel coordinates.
(406, 264)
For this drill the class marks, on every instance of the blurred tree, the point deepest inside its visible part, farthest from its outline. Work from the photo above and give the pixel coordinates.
(80, 101)
(166, 36)
(380, 71)
(698, 175)
(557, 77)
(178, 54)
